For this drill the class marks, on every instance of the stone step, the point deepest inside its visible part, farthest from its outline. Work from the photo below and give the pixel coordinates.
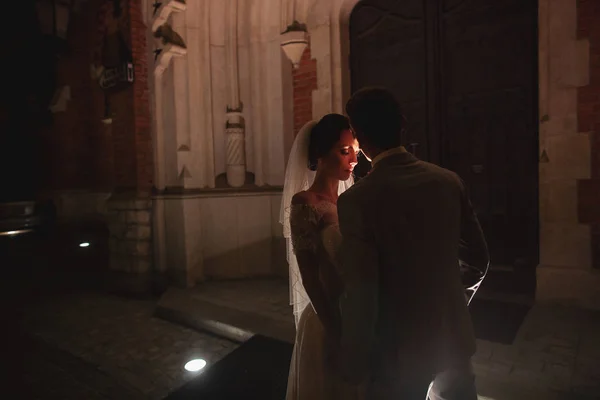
(202, 312)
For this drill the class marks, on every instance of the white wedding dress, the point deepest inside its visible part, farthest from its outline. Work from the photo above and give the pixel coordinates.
(315, 228)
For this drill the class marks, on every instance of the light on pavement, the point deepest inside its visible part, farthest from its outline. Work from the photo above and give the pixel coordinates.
(195, 365)
(84, 244)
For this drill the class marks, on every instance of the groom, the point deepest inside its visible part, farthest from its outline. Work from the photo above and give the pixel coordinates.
(406, 228)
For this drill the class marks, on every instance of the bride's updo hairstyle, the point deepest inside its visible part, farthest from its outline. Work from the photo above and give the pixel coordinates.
(324, 136)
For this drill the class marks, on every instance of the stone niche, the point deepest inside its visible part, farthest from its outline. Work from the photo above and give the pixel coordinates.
(222, 105)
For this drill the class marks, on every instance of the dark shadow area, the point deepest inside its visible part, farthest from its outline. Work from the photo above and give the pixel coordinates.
(497, 321)
(519, 281)
(502, 303)
(42, 263)
(52, 259)
(83, 379)
(258, 369)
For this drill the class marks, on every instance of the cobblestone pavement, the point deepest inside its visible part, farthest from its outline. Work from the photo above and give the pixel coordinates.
(557, 349)
(90, 345)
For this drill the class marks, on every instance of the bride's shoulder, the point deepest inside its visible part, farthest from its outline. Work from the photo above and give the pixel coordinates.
(305, 198)
(304, 208)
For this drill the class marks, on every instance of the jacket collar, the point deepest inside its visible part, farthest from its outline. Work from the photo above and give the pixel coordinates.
(388, 153)
(393, 157)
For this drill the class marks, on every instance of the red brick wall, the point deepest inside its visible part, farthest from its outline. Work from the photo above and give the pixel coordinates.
(141, 98)
(77, 152)
(84, 153)
(589, 121)
(132, 141)
(305, 81)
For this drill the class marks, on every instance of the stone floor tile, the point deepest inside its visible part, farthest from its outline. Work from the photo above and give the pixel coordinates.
(123, 339)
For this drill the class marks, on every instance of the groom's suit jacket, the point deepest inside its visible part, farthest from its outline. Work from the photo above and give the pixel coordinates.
(406, 227)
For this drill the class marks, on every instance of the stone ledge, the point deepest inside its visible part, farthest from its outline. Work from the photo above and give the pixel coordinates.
(569, 286)
(249, 190)
(202, 324)
(132, 204)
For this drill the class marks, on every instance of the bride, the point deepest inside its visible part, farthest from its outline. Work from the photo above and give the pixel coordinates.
(319, 169)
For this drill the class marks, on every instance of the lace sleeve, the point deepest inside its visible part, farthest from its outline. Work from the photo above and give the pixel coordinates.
(304, 223)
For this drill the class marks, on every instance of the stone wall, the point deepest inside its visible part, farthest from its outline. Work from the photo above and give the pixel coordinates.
(565, 273)
(130, 243)
(219, 235)
(588, 97)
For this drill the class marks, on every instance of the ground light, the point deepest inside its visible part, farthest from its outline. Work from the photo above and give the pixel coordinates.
(14, 233)
(195, 365)
(84, 244)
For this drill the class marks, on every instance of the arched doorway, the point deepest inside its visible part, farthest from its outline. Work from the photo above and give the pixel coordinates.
(466, 74)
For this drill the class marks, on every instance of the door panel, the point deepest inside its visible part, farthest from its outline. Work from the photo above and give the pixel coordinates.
(490, 139)
(388, 38)
(465, 72)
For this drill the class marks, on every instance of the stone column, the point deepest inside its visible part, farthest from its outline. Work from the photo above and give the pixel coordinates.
(200, 159)
(234, 127)
(162, 61)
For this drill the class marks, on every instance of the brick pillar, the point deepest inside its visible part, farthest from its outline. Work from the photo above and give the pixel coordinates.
(130, 108)
(130, 242)
(141, 100)
(588, 15)
(130, 207)
(305, 81)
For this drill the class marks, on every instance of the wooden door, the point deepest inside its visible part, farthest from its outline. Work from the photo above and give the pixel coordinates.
(465, 72)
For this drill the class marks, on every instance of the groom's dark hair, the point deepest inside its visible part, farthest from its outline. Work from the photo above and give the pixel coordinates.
(376, 117)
